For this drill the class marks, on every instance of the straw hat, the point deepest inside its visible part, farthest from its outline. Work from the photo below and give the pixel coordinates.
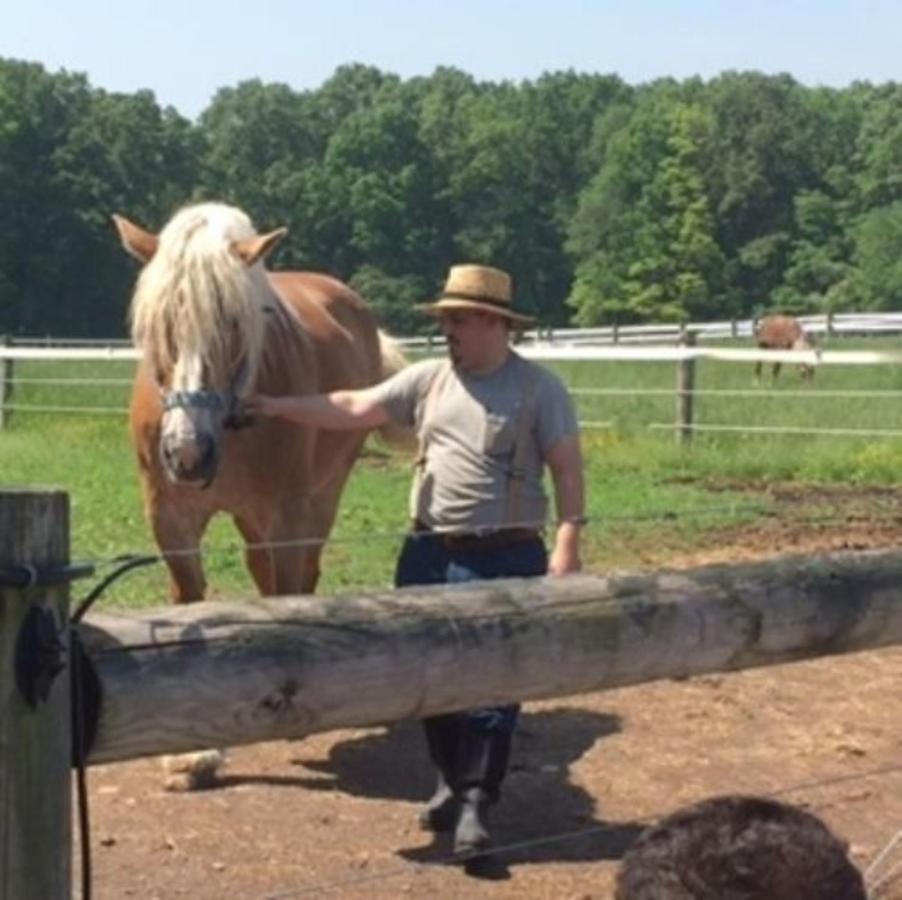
(479, 288)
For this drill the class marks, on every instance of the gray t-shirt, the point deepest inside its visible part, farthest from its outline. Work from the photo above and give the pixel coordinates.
(471, 433)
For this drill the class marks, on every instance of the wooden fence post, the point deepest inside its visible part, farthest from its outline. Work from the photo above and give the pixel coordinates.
(35, 725)
(6, 382)
(685, 388)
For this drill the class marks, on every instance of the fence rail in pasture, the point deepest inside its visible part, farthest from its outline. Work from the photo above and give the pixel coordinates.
(212, 673)
(18, 388)
(852, 323)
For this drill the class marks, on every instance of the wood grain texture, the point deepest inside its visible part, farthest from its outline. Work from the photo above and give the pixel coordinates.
(35, 743)
(216, 674)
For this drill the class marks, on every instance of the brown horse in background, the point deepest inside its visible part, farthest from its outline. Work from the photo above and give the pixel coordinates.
(213, 326)
(782, 333)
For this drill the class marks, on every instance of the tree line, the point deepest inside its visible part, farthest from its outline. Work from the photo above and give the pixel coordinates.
(671, 200)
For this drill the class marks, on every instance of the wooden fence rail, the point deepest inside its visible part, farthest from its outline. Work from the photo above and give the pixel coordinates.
(230, 673)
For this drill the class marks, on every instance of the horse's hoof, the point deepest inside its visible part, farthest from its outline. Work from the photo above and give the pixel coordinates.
(192, 771)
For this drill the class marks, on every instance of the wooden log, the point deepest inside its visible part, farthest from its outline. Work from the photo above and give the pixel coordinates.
(35, 742)
(217, 674)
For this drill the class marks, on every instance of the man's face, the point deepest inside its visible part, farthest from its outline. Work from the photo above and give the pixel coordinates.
(474, 338)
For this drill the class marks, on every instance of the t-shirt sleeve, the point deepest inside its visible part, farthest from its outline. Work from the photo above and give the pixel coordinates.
(400, 395)
(556, 416)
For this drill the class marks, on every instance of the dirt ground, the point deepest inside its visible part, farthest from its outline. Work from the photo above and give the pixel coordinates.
(335, 814)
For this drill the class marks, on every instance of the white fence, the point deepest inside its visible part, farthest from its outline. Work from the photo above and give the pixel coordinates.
(636, 343)
(825, 324)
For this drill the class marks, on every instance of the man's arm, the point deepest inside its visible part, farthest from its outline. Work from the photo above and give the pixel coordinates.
(336, 411)
(565, 462)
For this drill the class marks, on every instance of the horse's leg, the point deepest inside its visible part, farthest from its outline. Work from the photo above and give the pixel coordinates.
(758, 371)
(279, 544)
(303, 524)
(296, 535)
(323, 511)
(777, 366)
(257, 554)
(178, 535)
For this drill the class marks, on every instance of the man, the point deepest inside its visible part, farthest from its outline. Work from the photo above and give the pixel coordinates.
(739, 848)
(488, 422)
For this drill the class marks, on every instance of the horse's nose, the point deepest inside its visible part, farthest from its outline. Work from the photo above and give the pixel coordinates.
(189, 460)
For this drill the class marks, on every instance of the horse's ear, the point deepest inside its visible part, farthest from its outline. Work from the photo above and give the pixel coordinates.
(140, 243)
(251, 250)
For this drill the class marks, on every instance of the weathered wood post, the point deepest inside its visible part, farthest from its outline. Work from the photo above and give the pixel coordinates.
(685, 388)
(35, 741)
(6, 382)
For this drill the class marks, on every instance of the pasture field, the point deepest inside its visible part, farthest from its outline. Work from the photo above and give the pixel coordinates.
(644, 489)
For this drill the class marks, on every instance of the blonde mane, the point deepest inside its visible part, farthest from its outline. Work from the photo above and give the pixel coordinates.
(196, 296)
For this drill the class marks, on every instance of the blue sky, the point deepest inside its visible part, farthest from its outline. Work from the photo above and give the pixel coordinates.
(183, 51)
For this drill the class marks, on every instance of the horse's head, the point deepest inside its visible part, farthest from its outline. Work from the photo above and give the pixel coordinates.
(197, 315)
(804, 342)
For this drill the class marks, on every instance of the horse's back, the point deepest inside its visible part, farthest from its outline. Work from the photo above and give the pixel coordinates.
(778, 332)
(339, 327)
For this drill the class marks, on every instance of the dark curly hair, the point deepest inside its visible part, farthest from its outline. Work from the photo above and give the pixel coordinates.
(739, 848)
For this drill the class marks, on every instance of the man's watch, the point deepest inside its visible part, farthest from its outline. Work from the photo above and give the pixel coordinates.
(575, 520)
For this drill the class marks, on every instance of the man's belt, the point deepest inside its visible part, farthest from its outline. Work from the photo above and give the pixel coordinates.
(480, 541)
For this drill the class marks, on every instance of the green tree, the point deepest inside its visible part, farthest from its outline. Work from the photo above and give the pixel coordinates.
(644, 233)
(878, 237)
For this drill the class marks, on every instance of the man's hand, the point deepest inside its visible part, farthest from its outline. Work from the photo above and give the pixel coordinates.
(564, 558)
(257, 405)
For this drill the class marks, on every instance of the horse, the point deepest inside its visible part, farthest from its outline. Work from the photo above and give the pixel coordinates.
(214, 325)
(783, 333)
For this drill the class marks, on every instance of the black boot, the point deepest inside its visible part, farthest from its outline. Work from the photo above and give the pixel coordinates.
(442, 738)
(440, 813)
(472, 834)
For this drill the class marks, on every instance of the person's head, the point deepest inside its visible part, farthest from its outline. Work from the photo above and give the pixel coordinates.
(476, 316)
(739, 848)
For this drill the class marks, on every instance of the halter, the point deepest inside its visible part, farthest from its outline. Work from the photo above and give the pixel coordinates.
(226, 401)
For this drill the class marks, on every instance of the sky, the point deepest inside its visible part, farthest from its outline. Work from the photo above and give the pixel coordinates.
(184, 51)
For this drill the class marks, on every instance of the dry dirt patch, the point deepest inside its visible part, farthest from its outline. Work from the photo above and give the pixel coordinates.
(335, 815)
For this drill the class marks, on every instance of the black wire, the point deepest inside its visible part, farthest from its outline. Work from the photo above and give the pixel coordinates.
(79, 732)
(81, 752)
(128, 562)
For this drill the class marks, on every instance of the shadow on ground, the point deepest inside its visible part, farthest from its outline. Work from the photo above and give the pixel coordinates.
(543, 816)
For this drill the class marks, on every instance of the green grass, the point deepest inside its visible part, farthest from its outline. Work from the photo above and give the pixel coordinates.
(643, 487)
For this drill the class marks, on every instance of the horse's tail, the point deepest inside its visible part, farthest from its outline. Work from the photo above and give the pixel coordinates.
(392, 360)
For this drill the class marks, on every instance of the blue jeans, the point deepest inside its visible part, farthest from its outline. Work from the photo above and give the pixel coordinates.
(471, 748)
